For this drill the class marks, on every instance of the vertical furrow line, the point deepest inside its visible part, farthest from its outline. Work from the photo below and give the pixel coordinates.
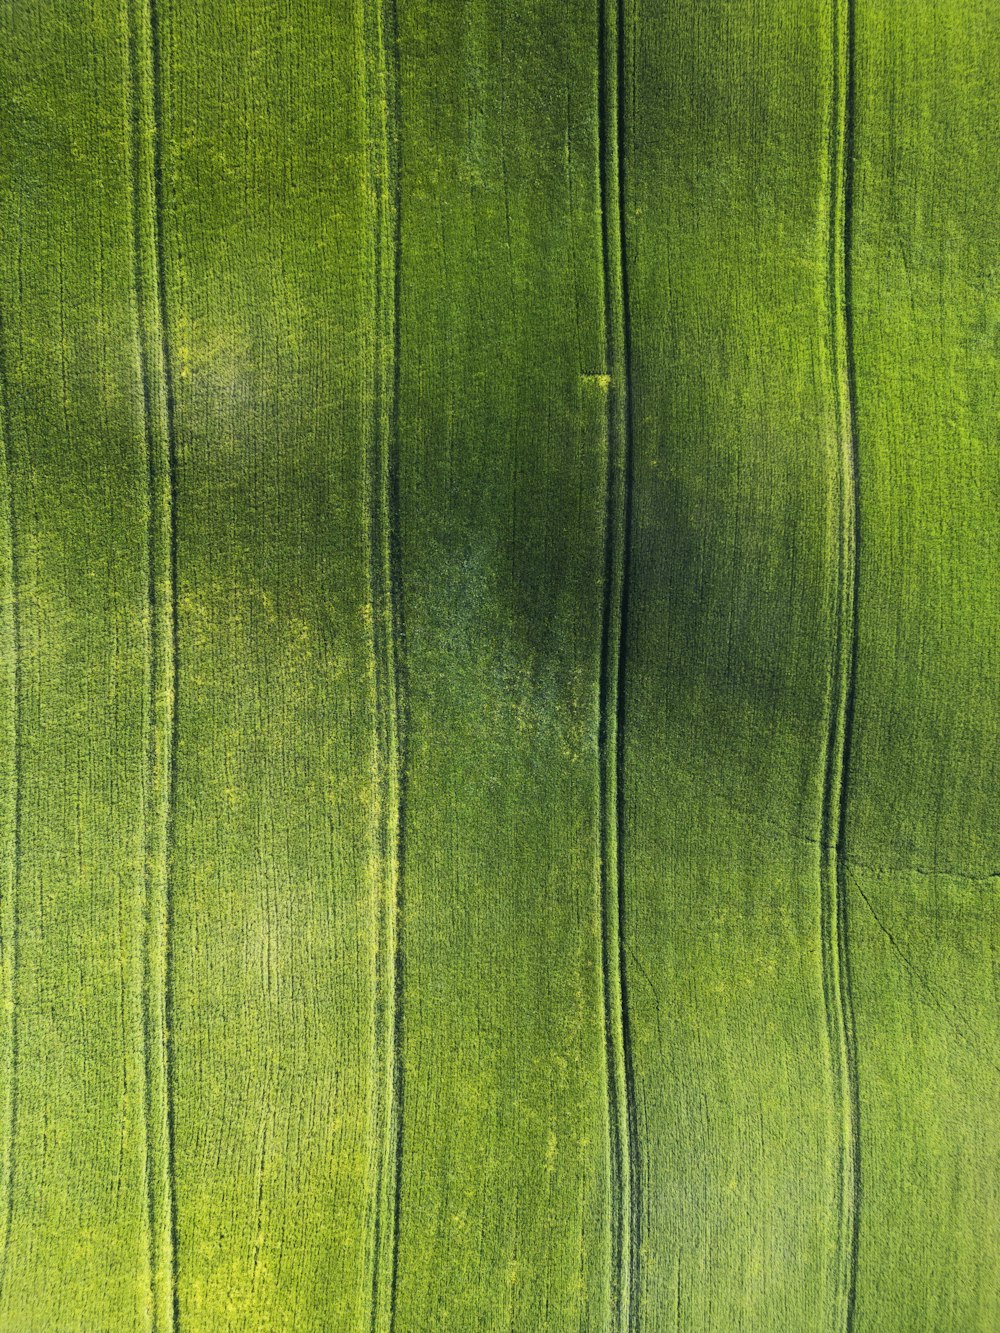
(12, 832)
(623, 1137)
(161, 716)
(833, 904)
(387, 643)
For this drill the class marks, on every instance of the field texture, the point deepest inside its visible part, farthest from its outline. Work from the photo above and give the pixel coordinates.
(499, 667)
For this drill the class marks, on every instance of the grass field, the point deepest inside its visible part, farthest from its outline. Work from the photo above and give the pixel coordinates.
(499, 689)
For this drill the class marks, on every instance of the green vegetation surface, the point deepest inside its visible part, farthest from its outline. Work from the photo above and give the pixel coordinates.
(499, 674)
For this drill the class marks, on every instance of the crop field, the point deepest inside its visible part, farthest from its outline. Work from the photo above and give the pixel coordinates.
(499, 666)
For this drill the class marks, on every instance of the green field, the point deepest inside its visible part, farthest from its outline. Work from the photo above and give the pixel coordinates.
(499, 671)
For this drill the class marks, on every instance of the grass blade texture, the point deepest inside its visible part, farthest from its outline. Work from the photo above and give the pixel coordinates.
(499, 590)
